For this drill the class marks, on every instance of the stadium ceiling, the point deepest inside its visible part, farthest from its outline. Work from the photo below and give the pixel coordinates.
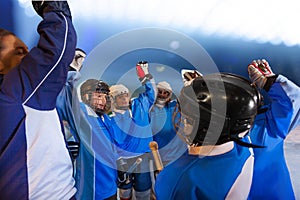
(272, 21)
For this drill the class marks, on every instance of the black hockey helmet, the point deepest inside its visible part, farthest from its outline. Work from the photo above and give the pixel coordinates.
(217, 108)
(90, 86)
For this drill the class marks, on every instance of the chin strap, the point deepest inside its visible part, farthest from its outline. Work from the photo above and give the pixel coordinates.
(160, 103)
(246, 144)
(123, 108)
(99, 112)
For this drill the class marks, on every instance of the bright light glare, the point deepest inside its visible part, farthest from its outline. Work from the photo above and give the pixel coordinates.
(273, 21)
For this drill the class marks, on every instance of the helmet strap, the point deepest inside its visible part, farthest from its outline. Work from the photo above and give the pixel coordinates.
(121, 107)
(245, 144)
(160, 103)
(99, 112)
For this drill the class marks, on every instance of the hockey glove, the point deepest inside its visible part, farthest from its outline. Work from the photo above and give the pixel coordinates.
(73, 148)
(261, 74)
(124, 177)
(189, 75)
(142, 72)
(78, 60)
(44, 6)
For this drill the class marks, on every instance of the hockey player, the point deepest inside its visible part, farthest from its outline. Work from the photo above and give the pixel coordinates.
(65, 109)
(170, 145)
(96, 173)
(131, 123)
(282, 101)
(34, 160)
(216, 112)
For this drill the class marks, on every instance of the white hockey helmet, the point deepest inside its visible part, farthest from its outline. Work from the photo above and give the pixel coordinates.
(116, 90)
(163, 97)
(164, 85)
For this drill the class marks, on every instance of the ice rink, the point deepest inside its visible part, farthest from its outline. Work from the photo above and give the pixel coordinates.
(292, 153)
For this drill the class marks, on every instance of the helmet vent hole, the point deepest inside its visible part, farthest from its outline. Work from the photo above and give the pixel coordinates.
(202, 97)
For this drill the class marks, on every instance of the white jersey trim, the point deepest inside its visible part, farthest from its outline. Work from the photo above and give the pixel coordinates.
(211, 150)
(241, 187)
(49, 165)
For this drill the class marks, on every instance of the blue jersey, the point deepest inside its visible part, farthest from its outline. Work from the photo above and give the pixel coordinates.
(225, 175)
(34, 160)
(269, 130)
(95, 165)
(170, 145)
(132, 129)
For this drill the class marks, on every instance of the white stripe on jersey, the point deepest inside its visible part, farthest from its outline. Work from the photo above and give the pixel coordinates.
(48, 160)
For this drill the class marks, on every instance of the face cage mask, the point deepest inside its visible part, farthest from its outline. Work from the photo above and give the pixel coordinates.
(183, 125)
(98, 111)
(121, 107)
(161, 100)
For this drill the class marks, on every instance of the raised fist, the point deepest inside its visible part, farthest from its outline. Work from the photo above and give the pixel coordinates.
(189, 75)
(44, 6)
(78, 60)
(142, 71)
(259, 72)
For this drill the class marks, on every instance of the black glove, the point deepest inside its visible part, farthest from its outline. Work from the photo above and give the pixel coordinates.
(45, 6)
(73, 148)
(124, 178)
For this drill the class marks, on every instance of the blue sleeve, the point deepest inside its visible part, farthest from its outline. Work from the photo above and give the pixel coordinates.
(283, 114)
(293, 93)
(67, 103)
(39, 78)
(146, 99)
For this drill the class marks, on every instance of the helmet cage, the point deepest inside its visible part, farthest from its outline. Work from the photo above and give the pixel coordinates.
(117, 91)
(91, 86)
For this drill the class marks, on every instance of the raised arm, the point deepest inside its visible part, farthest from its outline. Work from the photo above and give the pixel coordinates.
(283, 97)
(147, 98)
(41, 75)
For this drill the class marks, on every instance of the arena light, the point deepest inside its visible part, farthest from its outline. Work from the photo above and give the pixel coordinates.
(271, 21)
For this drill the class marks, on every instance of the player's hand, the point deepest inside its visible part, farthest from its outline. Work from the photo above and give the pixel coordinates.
(44, 6)
(142, 71)
(189, 75)
(259, 71)
(78, 60)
